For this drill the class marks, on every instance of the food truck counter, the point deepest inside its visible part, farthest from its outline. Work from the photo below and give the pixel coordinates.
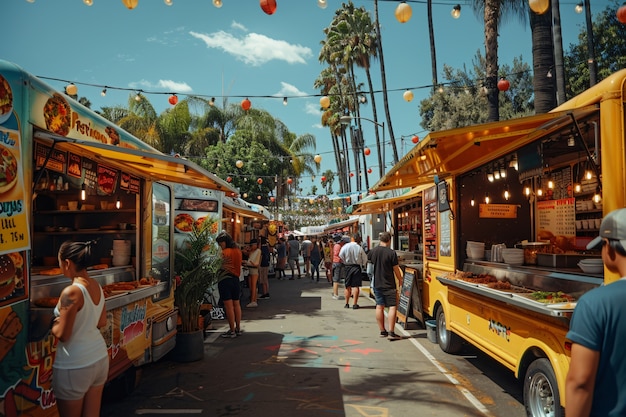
(548, 291)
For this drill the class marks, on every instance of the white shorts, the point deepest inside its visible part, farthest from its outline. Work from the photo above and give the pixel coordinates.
(73, 384)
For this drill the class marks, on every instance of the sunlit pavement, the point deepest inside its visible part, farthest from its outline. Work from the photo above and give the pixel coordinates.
(302, 354)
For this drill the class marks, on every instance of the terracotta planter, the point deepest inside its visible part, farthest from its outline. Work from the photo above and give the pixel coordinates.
(189, 346)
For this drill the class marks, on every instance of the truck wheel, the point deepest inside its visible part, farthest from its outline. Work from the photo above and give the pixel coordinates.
(541, 392)
(448, 341)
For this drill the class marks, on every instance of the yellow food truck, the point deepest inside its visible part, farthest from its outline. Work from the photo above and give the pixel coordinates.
(69, 174)
(507, 209)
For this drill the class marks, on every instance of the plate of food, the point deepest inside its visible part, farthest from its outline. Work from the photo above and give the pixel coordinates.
(57, 114)
(8, 169)
(183, 222)
(6, 100)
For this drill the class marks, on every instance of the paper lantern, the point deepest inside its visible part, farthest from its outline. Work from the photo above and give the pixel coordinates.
(367, 151)
(403, 12)
(539, 6)
(268, 6)
(621, 14)
(503, 84)
(289, 180)
(317, 159)
(415, 139)
(130, 4)
(272, 199)
(408, 96)
(245, 104)
(229, 179)
(325, 102)
(323, 178)
(173, 99)
(352, 174)
(369, 170)
(259, 181)
(239, 163)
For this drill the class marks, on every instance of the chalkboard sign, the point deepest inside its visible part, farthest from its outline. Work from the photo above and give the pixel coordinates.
(404, 304)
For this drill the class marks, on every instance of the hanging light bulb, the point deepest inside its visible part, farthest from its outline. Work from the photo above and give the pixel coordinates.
(539, 192)
(456, 11)
(596, 196)
(104, 92)
(472, 202)
(527, 191)
(507, 195)
(487, 199)
(577, 188)
(217, 3)
(83, 193)
(138, 96)
(285, 101)
(550, 184)
(212, 102)
(322, 4)
(502, 172)
(88, 2)
(496, 174)
(579, 8)
(168, 2)
(588, 174)
(490, 176)
(118, 203)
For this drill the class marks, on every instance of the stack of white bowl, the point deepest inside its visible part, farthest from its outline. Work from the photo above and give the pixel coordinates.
(475, 250)
(591, 265)
(121, 252)
(513, 256)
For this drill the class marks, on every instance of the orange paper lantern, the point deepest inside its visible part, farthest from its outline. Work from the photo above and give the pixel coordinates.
(289, 180)
(503, 84)
(268, 6)
(369, 170)
(367, 151)
(173, 99)
(228, 179)
(621, 14)
(415, 139)
(323, 178)
(352, 174)
(259, 180)
(245, 104)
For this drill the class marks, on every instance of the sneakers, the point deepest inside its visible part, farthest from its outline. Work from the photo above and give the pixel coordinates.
(393, 336)
(335, 297)
(346, 306)
(252, 304)
(229, 335)
(384, 333)
(239, 332)
(265, 296)
(356, 307)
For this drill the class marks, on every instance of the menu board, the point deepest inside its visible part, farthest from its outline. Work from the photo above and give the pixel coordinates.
(557, 217)
(430, 223)
(408, 281)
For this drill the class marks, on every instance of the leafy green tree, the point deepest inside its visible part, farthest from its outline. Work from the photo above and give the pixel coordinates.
(610, 51)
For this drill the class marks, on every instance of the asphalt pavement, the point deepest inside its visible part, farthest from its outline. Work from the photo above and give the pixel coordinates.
(301, 354)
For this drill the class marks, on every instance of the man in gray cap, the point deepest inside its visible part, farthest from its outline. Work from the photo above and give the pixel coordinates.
(597, 374)
(353, 258)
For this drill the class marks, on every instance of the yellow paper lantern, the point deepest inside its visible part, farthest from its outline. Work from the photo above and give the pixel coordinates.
(317, 159)
(408, 95)
(239, 163)
(539, 6)
(71, 90)
(403, 12)
(324, 102)
(130, 4)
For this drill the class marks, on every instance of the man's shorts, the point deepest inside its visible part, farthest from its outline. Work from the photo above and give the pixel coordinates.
(337, 272)
(353, 276)
(387, 298)
(229, 288)
(73, 384)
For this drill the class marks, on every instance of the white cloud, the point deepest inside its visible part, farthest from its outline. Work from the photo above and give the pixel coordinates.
(289, 90)
(239, 26)
(164, 85)
(313, 108)
(255, 49)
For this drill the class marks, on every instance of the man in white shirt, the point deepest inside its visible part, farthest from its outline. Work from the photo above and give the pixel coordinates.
(353, 258)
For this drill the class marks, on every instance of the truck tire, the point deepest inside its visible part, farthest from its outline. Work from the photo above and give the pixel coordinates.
(448, 341)
(541, 392)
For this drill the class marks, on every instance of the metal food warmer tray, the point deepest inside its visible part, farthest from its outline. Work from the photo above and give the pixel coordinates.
(525, 281)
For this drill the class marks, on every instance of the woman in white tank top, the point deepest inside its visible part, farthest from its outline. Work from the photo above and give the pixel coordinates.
(81, 364)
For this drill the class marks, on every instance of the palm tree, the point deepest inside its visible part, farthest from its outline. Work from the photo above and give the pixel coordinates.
(543, 61)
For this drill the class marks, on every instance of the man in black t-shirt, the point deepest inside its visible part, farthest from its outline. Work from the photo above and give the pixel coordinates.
(385, 261)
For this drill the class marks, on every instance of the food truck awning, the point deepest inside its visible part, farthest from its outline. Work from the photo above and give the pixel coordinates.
(242, 208)
(341, 224)
(451, 152)
(383, 205)
(149, 164)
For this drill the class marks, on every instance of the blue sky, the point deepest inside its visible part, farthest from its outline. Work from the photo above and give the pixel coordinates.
(238, 51)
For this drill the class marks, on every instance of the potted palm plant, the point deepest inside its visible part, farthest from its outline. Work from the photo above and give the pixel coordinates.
(198, 267)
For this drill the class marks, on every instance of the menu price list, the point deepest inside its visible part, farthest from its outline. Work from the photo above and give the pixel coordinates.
(557, 216)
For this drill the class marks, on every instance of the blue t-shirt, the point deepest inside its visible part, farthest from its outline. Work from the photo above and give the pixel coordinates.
(599, 323)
